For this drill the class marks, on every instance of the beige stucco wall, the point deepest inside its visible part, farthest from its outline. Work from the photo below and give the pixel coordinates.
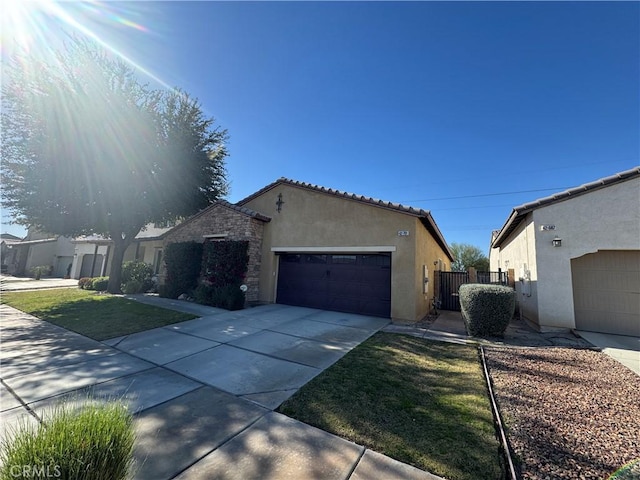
(430, 255)
(315, 220)
(518, 252)
(605, 219)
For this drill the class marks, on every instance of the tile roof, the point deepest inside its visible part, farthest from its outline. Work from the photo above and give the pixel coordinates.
(419, 212)
(424, 215)
(151, 232)
(231, 206)
(245, 210)
(519, 212)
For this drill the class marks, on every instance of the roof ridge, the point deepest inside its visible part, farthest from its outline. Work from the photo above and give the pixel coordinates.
(580, 189)
(521, 210)
(242, 209)
(340, 193)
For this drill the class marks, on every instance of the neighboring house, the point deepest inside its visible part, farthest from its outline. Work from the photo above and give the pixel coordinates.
(7, 252)
(92, 254)
(576, 256)
(39, 249)
(322, 248)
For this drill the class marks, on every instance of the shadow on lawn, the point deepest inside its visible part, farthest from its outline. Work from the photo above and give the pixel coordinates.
(420, 402)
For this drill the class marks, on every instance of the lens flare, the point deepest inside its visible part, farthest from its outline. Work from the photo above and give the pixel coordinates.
(39, 27)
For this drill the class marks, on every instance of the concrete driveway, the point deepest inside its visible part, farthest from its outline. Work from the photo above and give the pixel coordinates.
(203, 391)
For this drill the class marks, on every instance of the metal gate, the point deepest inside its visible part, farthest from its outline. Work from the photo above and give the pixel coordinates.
(449, 284)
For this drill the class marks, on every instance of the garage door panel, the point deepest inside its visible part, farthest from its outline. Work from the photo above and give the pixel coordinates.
(606, 292)
(353, 283)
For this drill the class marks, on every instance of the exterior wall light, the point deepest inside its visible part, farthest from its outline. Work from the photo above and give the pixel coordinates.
(557, 242)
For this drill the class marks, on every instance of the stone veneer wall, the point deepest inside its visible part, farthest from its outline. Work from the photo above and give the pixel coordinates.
(220, 219)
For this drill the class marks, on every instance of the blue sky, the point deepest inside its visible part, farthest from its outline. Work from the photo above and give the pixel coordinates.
(466, 109)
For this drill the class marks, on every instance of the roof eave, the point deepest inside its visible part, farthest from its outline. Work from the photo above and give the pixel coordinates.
(432, 228)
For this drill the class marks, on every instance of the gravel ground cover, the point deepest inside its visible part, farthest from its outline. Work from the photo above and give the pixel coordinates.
(569, 413)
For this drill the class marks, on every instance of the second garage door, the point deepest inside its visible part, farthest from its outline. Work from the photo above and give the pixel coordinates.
(354, 283)
(606, 292)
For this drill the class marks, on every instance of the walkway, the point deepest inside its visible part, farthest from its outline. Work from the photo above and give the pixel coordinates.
(449, 327)
(202, 391)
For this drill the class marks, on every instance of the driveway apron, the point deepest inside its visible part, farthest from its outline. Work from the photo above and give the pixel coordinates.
(202, 391)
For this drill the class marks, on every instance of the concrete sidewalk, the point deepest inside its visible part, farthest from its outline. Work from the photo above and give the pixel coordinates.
(197, 415)
(10, 283)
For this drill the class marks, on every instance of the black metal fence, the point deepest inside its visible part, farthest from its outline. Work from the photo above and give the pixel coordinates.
(448, 284)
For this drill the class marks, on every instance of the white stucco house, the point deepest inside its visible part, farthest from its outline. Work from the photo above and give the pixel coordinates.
(37, 249)
(576, 256)
(92, 254)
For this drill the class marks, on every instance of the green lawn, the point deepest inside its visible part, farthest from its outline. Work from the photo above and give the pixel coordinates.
(97, 316)
(421, 402)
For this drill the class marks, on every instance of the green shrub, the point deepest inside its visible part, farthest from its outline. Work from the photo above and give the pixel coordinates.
(40, 270)
(133, 286)
(229, 297)
(487, 309)
(85, 283)
(99, 284)
(225, 263)
(87, 442)
(137, 273)
(183, 261)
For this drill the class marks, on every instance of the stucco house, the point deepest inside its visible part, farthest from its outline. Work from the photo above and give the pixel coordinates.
(576, 256)
(92, 253)
(7, 250)
(323, 248)
(38, 249)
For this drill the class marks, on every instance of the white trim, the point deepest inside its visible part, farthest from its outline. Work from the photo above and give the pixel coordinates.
(388, 248)
(216, 235)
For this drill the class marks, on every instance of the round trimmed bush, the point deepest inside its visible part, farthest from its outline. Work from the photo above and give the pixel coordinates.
(99, 283)
(487, 309)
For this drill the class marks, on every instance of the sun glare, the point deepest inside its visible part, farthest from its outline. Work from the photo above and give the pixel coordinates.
(39, 27)
(22, 24)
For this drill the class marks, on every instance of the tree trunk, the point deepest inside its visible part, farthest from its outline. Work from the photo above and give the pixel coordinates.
(120, 245)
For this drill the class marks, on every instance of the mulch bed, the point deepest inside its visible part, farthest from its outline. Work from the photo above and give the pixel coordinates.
(570, 413)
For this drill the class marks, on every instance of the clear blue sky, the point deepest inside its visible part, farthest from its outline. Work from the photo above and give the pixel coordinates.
(446, 106)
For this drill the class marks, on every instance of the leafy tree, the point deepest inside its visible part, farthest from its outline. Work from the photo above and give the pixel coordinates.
(468, 256)
(87, 149)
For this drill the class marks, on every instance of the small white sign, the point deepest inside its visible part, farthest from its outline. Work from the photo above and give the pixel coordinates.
(547, 227)
(403, 233)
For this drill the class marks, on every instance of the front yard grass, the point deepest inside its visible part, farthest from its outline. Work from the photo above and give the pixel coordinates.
(421, 402)
(97, 316)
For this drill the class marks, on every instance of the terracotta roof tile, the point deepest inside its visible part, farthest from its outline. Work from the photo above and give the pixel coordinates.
(424, 215)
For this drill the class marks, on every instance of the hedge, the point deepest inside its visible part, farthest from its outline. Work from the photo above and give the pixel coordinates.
(225, 263)
(183, 261)
(487, 309)
(229, 297)
(137, 277)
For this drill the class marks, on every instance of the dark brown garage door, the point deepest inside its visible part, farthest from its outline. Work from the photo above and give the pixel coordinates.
(342, 282)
